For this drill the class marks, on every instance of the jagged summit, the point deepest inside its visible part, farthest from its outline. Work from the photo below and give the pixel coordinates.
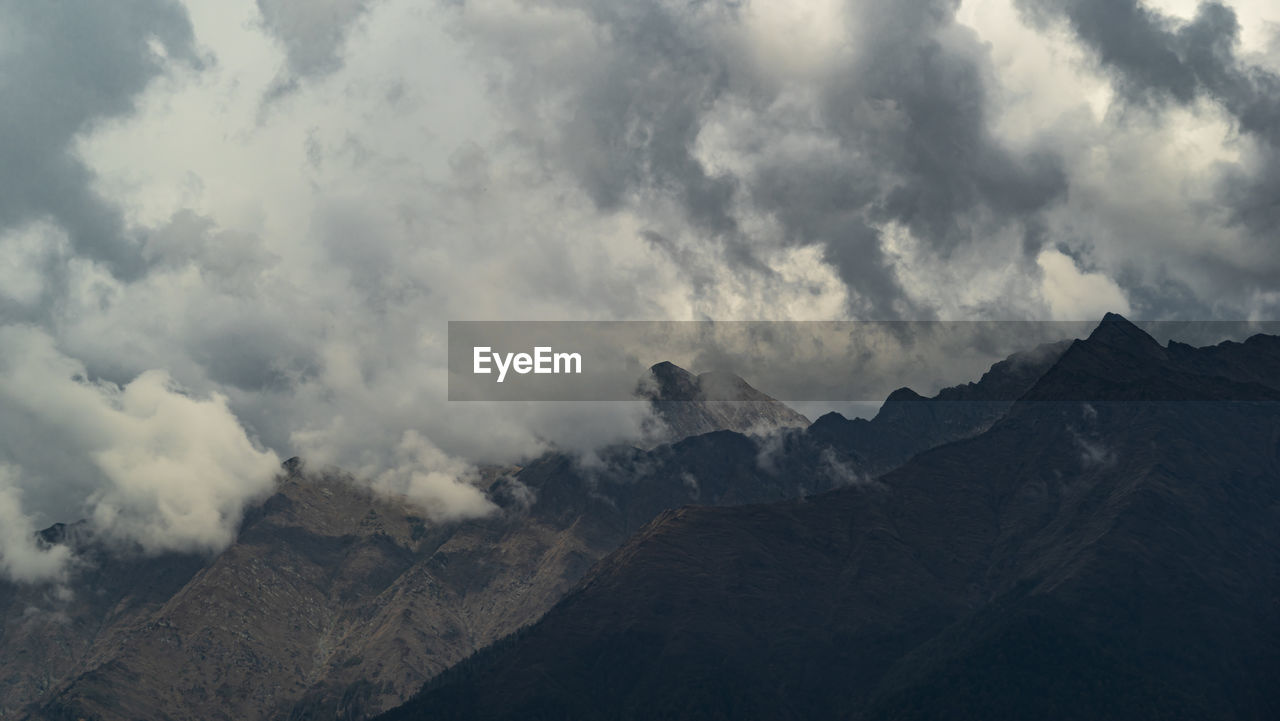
(673, 382)
(1120, 333)
(690, 405)
(903, 394)
(293, 466)
(57, 533)
(1119, 361)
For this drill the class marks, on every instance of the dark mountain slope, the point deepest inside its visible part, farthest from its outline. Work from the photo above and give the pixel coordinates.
(1111, 559)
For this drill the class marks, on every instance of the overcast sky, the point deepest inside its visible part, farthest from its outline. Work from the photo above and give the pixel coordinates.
(232, 232)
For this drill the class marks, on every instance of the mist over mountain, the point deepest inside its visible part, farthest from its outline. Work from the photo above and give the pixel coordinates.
(1113, 557)
(243, 474)
(338, 602)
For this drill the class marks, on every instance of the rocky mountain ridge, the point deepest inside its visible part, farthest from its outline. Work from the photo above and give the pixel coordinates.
(334, 603)
(1107, 549)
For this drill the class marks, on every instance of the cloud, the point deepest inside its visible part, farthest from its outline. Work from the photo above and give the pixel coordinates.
(278, 205)
(690, 482)
(841, 472)
(425, 475)
(22, 557)
(1093, 452)
(886, 120)
(149, 464)
(1076, 295)
(67, 66)
(1161, 66)
(312, 32)
(1158, 58)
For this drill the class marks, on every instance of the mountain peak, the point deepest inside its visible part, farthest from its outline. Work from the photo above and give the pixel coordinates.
(690, 405)
(667, 369)
(1119, 332)
(903, 394)
(670, 382)
(674, 383)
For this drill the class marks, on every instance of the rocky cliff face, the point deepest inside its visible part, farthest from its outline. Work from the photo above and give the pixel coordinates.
(1107, 549)
(332, 602)
(51, 633)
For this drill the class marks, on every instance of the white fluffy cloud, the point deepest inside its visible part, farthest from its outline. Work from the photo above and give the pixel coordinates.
(427, 476)
(158, 467)
(1076, 295)
(22, 558)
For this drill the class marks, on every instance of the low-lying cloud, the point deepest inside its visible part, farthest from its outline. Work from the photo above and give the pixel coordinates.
(149, 464)
(442, 485)
(22, 557)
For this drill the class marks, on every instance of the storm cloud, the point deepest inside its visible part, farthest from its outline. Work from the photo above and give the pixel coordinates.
(762, 146)
(233, 231)
(66, 66)
(1156, 58)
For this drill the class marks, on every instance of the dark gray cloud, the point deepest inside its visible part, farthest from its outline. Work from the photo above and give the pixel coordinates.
(1156, 59)
(904, 121)
(67, 65)
(312, 31)
(935, 77)
(916, 110)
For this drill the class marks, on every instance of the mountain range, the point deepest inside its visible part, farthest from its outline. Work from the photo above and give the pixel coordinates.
(1109, 548)
(1087, 530)
(337, 603)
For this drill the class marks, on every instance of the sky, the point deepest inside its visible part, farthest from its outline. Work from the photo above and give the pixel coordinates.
(233, 232)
